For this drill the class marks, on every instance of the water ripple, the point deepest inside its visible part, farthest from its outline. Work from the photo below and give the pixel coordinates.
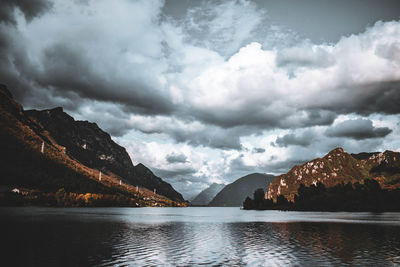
(126, 238)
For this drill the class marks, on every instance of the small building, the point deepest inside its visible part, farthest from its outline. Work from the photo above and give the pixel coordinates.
(16, 191)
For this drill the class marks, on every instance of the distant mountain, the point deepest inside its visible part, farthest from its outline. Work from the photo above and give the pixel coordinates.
(205, 196)
(235, 193)
(339, 167)
(74, 153)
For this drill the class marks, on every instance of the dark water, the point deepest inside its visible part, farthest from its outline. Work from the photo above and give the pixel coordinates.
(196, 237)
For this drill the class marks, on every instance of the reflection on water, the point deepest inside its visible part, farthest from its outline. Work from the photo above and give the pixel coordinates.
(196, 236)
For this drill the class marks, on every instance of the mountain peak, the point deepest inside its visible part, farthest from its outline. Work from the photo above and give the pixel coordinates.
(141, 169)
(141, 166)
(334, 168)
(337, 150)
(57, 110)
(337, 153)
(205, 196)
(4, 90)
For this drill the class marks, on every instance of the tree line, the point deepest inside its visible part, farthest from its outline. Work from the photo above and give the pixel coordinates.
(62, 198)
(360, 196)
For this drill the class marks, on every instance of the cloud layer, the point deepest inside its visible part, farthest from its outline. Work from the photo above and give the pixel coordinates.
(357, 129)
(222, 80)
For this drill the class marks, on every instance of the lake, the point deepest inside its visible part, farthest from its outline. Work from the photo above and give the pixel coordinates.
(196, 237)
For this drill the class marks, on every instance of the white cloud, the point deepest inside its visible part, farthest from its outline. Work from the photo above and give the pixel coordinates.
(253, 84)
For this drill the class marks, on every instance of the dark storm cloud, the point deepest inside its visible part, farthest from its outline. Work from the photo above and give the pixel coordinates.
(70, 65)
(260, 116)
(69, 68)
(21, 75)
(30, 9)
(384, 99)
(15, 63)
(258, 150)
(365, 99)
(357, 129)
(176, 174)
(310, 117)
(176, 158)
(217, 139)
(304, 139)
(196, 135)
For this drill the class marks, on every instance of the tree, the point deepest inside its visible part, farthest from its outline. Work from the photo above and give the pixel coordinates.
(258, 195)
(60, 196)
(282, 201)
(248, 204)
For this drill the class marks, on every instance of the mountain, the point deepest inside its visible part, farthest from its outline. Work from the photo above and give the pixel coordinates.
(49, 150)
(94, 148)
(339, 167)
(235, 193)
(205, 196)
(22, 163)
(84, 141)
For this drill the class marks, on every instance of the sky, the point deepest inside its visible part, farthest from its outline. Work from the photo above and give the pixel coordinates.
(209, 91)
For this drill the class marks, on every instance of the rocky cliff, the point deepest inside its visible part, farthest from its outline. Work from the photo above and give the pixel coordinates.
(338, 167)
(84, 141)
(77, 144)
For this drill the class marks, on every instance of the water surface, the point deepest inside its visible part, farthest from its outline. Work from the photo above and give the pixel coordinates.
(196, 237)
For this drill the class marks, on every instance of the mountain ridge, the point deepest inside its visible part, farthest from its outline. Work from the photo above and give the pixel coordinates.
(205, 196)
(337, 167)
(233, 194)
(78, 145)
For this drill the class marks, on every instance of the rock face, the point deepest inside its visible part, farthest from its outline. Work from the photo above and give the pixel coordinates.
(235, 193)
(338, 167)
(205, 196)
(22, 163)
(86, 143)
